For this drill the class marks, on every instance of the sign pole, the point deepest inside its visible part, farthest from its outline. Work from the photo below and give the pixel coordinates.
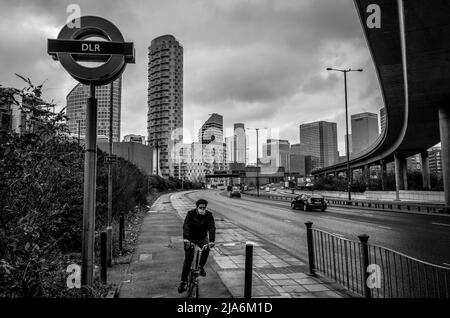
(110, 181)
(70, 48)
(90, 173)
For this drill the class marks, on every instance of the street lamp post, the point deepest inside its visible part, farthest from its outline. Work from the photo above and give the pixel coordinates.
(349, 177)
(257, 165)
(179, 169)
(157, 156)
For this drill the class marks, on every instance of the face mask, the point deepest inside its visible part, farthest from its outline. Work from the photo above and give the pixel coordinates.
(201, 211)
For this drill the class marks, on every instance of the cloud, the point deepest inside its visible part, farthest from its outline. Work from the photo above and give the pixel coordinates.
(261, 62)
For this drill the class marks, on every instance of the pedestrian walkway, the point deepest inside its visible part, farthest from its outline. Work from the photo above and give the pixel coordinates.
(155, 268)
(276, 274)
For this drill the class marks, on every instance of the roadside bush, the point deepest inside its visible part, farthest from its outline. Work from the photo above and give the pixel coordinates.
(338, 183)
(41, 200)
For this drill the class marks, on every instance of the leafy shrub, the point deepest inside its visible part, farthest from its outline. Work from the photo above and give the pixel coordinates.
(41, 201)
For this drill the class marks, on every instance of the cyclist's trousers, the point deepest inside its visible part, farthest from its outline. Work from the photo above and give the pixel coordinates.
(189, 257)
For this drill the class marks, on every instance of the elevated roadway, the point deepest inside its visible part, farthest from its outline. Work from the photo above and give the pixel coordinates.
(411, 53)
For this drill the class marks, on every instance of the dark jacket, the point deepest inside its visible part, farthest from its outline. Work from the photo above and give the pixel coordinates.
(197, 226)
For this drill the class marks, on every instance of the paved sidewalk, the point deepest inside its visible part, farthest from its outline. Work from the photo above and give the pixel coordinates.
(155, 269)
(276, 274)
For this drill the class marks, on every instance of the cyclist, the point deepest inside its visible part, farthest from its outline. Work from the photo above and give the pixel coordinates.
(198, 229)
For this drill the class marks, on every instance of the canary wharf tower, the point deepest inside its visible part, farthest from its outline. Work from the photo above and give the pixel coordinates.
(165, 98)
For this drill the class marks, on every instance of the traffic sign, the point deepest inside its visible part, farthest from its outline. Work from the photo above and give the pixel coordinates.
(110, 159)
(72, 46)
(91, 50)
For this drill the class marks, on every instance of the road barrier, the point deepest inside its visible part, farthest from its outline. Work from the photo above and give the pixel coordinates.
(395, 206)
(392, 205)
(374, 271)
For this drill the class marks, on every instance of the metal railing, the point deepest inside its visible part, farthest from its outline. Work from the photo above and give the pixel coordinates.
(397, 206)
(391, 205)
(374, 271)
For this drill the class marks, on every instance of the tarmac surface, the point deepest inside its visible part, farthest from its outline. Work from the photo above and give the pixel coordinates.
(155, 267)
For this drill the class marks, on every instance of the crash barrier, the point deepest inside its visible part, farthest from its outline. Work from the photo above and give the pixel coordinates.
(396, 206)
(374, 271)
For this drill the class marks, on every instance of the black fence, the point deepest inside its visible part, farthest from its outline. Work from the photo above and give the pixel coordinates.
(374, 271)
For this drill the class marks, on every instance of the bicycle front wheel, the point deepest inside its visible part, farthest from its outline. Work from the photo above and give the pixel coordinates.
(193, 291)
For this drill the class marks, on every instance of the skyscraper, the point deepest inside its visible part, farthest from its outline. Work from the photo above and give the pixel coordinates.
(76, 109)
(364, 131)
(239, 149)
(276, 153)
(214, 155)
(350, 144)
(229, 141)
(414, 163)
(165, 99)
(319, 139)
(212, 130)
(435, 161)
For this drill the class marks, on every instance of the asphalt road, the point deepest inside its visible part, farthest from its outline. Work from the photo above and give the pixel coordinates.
(426, 237)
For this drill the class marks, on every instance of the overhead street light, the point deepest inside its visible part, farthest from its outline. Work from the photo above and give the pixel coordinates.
(349, 177)
(257, 166)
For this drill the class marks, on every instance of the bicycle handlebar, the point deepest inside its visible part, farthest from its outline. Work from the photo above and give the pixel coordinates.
(210, 244)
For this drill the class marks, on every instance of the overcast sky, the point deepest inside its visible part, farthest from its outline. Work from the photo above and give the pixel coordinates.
(261, 62)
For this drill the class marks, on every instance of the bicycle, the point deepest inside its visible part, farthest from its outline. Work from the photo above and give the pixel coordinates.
(193, 283)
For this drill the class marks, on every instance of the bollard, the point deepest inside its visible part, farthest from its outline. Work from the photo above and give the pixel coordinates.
(121, 231)
(365, 263)
(310, 242)
(248, 270)
(103, 257)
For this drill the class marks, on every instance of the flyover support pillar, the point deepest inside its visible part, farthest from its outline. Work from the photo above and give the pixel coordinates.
(366, 174)
(399, 175)
(405, 174)
(444, 127)
(426, 184)
(383, 175)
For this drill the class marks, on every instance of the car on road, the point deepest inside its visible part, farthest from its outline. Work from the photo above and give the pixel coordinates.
(274, 189)
(221, 187)
(267, 189)
(306, 186)
(307, 202)
(235, 192)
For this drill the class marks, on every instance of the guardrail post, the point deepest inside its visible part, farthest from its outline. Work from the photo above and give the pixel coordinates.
(121, 231)
(309, 239)
(103, 257)
(365, 263)
(248, 270)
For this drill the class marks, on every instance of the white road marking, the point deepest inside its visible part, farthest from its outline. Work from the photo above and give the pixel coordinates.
(443, 224)
(288, 221)
(384, 227)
